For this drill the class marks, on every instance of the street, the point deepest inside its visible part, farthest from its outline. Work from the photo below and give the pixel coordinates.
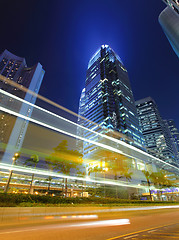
(170, 231)
(139, 224)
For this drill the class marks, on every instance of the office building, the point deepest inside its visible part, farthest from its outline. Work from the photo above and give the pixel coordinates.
(174, 4)
(81, 121)
(157, 139)
(169, 20)
(14, 68)
(174, 136)
(109, 101)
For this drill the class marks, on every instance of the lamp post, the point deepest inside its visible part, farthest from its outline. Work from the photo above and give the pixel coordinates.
(14, 158)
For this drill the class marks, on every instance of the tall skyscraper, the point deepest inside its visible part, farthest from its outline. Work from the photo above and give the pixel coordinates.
(155, 134)
(174, 4)
(109, 100)
(15, 69)
(81, 121)
(174, 136)
(169, 20)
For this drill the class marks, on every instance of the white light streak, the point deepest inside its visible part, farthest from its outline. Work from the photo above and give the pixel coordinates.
(59, 175)
(73, 135)
(76, 136)
(58, 130)
(105, 223)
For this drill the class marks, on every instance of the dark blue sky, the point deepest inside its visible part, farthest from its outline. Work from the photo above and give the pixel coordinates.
(63, 34)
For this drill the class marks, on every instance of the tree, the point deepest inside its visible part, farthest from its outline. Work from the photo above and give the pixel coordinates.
(49, 179)
(147, 176)
(63, 160)
(126, 174)
(120, 168)
(115, 163)
(32, 161)
(160, 180)
(81, 173)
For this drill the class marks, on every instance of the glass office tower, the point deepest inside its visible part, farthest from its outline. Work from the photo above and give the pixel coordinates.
(109, 100)
(156, 136)
(174, 136)
(169, 20)
(14, 68)
(174, 4)
(81, 121)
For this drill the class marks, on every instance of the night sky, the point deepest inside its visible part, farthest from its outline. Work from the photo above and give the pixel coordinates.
(64, 34)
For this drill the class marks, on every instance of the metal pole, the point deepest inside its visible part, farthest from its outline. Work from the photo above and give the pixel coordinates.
(8, 182)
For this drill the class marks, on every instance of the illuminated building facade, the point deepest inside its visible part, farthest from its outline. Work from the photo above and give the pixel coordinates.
(174, 4)
(157, 139)
(174, 136)
(109, 100)
(169, 20)
(15, 69)
(81, 121)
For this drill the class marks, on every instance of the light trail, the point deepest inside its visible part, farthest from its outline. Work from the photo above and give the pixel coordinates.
(59, 175)
(64, 119)
(81, 138)
(70, 217)
(104, 223)
(22, 88)
(89, 213)
(59, 130)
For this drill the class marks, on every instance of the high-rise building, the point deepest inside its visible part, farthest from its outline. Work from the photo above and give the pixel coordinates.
(169, 20)
(155, 134)
(81, 121)
(109, 100)
(174, 4)
(174, 136)
(14, 68)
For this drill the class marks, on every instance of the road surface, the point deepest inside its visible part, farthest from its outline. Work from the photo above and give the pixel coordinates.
(140, 224)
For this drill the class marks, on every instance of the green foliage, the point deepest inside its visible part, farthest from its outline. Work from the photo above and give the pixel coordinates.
(117, 164)
(110, 192)
(32, 161)
(160, 179)
(63, 159)
(95, 170)
(12, 200)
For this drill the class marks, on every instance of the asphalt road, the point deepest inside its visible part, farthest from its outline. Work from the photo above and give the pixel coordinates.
(141, 224)
(170, 231)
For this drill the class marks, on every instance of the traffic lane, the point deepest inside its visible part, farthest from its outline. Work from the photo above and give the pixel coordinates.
(148, 221)
(60, 232)
(42, 217)
(168, 232)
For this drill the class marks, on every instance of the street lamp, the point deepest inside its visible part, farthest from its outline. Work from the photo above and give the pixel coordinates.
(14, 158)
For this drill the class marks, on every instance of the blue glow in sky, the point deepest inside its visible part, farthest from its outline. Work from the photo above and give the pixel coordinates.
(63, 35)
